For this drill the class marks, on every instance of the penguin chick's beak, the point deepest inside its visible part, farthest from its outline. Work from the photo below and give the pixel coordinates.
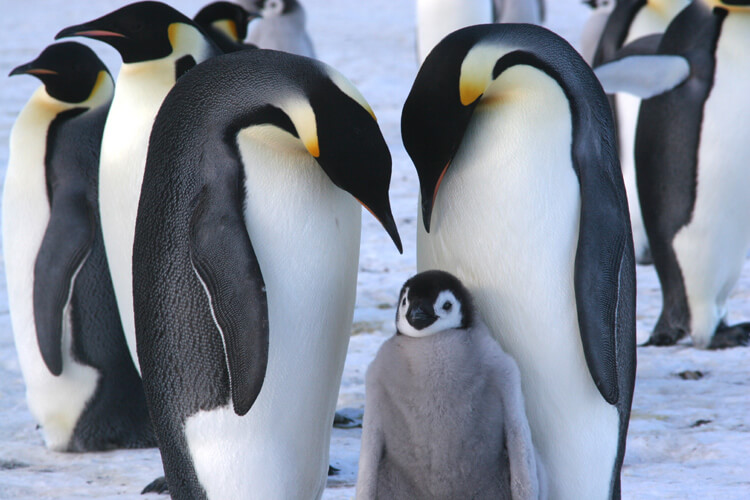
(419, 317)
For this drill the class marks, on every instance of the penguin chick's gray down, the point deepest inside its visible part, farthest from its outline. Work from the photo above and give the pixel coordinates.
(444, 413)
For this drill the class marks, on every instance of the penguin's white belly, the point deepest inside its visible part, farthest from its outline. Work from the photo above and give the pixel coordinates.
(122, 164)
(646, 22)
(306, 233)
(506, 223)
(55, 402)
(438, 18)
(711, 248)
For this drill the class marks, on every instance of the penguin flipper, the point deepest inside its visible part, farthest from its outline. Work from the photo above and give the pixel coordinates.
(224, 259)
(637, 70)
(65, 246)
(603, 283)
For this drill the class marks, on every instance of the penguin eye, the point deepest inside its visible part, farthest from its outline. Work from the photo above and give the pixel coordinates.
(447, 306)
(403, 302)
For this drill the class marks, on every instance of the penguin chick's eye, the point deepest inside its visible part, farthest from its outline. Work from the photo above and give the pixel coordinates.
(447, 306)
(403, 301)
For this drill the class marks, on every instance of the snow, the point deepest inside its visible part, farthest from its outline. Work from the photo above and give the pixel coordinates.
(688, 438)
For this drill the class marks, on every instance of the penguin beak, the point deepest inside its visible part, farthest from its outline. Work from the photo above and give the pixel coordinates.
(30, 69)
(89, 31)
(419, 317)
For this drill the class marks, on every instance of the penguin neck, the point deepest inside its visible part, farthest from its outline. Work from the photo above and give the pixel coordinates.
(187, 41)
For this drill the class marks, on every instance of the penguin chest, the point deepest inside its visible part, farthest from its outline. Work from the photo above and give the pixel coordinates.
(438, 18)
(55, 402)
(305, 232)
(122, 164)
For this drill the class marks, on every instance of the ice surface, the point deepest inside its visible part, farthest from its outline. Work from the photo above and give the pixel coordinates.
(688, 438)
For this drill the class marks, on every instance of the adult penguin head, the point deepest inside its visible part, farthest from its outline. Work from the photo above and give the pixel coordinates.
(346, 141)
(226, 18)
(70, 72)
(142, 31)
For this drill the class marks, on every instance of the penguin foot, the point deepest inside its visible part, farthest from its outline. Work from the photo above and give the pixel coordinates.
(332, 471)
(730, 336)
(348, 418)
(158, 485)
(644, 257)
(664, 338)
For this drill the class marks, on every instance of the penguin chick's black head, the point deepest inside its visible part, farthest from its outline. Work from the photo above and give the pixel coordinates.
(226, 17)
(69, 71)
(141, 31)
(433, 301)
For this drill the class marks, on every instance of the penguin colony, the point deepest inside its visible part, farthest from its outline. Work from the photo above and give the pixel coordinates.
(197, 222)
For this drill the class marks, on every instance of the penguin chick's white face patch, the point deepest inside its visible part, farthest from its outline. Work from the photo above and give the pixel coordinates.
(272, 8)
(425, 319)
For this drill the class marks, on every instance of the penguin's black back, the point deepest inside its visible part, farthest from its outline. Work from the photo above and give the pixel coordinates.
(116, 416)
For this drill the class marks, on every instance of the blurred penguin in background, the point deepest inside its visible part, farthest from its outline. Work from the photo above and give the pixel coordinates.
(437, 18)
(281, 26)
(226, 24)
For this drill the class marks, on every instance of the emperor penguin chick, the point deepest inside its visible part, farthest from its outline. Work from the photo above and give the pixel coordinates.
(444, 410)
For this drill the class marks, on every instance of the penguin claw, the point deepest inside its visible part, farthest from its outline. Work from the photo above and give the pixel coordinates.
(731, 336)
(158, 485)
(663, 339)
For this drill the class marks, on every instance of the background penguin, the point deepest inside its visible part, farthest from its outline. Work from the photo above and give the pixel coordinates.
(522, 195)
(444, 413)
(82, 387)
(226, 24)
(245, 268)
(630, 20)
(281, 26)
(691, 154)
(157, 45)
(437, 18)
(594, 27)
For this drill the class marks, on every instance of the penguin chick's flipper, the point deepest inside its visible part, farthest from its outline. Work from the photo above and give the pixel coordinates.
(637, 70)
(223, 255)
(158, 485)
(65, 246)
(727, 336)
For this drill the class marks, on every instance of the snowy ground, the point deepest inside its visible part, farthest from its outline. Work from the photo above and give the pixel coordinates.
(689, 439)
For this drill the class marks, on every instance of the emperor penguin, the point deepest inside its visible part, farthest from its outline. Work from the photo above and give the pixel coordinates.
(631, 20)
(437, 18)
(522, 199)
(245, 269)
(444, 411)
(226, 24)
(691, 155)
(81, 385)
(281, 26)
(594, 27)
(157, 45)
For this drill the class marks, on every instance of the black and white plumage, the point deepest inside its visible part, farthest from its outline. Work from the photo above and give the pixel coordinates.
(81, 385)
(444, 415)
(691, 155)
(158, 45)
(226, 24)
(629, 21)
(245, 268)
(522, 199)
